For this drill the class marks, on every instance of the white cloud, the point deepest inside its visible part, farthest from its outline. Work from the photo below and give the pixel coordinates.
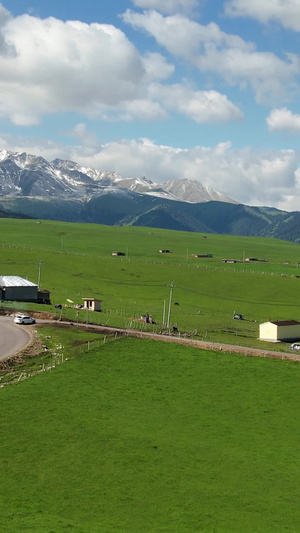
(156, 66)
(285, 12)
(283, 120)
(87, 139)
(199, 106)
(182, 36)
(255, 178)
(5, 48)
(143, 110)
(167, 6)
(94, 70)
(62, 66)
(214, 51)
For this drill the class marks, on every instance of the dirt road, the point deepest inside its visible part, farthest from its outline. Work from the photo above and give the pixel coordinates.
(215, 346)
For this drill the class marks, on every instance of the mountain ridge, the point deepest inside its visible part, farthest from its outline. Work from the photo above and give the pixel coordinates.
(64, 190)
(67, 177)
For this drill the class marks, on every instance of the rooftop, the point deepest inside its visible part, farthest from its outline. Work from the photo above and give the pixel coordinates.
(285, 322)
(15, 281)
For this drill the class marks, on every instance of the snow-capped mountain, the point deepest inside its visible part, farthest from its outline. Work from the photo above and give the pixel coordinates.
(31, 187)
(26, 175)
(194, 192)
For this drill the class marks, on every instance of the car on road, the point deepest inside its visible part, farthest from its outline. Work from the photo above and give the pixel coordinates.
(24, 319)
(295, 346)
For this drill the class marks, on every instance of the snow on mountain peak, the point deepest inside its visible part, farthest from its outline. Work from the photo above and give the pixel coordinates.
(65, 177)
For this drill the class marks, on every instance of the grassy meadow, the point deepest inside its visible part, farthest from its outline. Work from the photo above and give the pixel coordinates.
(106, 435)
(145, 436)
(77, 262)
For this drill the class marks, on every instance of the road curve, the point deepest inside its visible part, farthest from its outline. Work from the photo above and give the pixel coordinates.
(12, 337)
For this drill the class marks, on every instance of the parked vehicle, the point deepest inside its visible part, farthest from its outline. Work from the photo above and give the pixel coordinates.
(295, 346)
(24, 319)
(238, 316)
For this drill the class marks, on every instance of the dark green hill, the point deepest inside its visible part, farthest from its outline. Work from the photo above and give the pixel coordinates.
(122, 207)
(10, 214)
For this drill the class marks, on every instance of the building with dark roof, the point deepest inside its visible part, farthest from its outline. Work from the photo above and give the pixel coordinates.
(279, 330)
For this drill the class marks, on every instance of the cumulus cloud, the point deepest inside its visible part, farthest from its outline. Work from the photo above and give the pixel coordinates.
(284, 12)
(182, 36)
(210, 107)
(214, 51)
(5, 48)
(92, 69)
(62, 66)
(200, 106)
(143, 110)
(252, 177)
(86, 138)
(283, 120)
(167, 6)
(156, 66)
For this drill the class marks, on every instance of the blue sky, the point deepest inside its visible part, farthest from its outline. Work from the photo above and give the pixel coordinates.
(167, 89)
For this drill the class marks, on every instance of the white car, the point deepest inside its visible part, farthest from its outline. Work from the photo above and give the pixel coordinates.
(295, 346)
(24, 319)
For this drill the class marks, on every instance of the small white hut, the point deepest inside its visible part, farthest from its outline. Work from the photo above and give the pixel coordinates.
(92, 304)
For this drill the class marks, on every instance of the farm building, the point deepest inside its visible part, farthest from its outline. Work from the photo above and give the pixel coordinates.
(19, 289)
(92, 304)
(202, 255)
(163, 251)
(255, 259)
(117, 253)
(228, 260)
(279, 330)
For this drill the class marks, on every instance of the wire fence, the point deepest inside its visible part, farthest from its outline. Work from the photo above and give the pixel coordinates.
(13, 371)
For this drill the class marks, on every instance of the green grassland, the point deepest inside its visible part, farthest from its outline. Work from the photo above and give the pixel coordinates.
(58, 345)
(101, 435)
(77, 263)
(144, 436)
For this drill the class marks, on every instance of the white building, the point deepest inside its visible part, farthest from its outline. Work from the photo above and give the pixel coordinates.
(92, 304)
(279, 330)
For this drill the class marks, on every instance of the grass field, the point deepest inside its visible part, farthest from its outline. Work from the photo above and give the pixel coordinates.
(140, 436)
(77, 262)
(58, 345)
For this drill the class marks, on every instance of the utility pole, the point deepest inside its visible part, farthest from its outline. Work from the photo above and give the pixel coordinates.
(39, 264)
(164, 314)
(172, 283)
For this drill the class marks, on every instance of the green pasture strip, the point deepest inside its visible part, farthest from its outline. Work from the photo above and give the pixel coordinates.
(144, 243)
(146, 436)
